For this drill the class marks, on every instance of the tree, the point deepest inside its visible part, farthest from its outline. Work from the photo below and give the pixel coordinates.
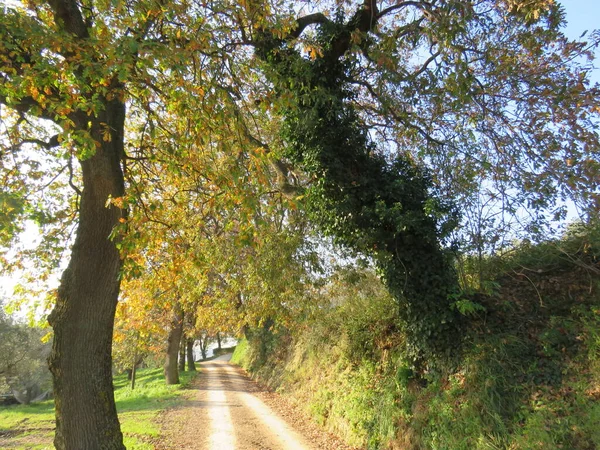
(388, 106)
(173, 342)
(138, 334)
(182, 352)
(72, 72)
(204, 341)
(191, 363)
(90, 109)
(78, 65)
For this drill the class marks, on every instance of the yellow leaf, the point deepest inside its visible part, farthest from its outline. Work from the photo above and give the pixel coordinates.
(47, 337)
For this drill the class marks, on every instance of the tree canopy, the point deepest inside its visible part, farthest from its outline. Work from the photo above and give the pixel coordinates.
(182, 142)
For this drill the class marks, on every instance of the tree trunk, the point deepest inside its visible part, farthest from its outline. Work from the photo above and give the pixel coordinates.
(171, 369)
(182, 350)
(219, 340)
(133, 370)
(81, 362)
(203, 345)
(191, 365)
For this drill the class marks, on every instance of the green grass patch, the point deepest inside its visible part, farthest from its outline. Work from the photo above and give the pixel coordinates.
(27, 426)
(240, 353)
(138, 408)
(32, 426)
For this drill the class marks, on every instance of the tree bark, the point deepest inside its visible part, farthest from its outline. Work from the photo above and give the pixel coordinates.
(191, 365)
(81, 362)
(182, 352)
(219, 340)
(203, 345)
(133, 370)
(170, 368)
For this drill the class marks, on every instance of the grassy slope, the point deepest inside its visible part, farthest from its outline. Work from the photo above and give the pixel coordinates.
(529, 377)
(31, 426)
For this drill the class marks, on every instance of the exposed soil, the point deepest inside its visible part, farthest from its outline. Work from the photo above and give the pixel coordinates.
(226, 410)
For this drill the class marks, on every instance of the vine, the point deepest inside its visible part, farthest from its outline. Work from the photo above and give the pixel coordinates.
(380, 208)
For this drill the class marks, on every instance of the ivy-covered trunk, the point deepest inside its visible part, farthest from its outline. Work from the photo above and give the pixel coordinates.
(376, 204)
(80, 362)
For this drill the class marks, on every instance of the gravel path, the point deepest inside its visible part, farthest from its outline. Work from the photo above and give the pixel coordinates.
(226, 411)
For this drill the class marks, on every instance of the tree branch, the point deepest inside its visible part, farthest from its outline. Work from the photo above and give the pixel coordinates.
(281, 169)
(75, 188)
(23, 105)
(426, 64)
(51, 143)
(69, 17)
(363, 20)
(308, 20)
(422, 5)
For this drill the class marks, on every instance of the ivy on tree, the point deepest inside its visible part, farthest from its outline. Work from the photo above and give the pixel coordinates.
(382, 208)
(442, 81)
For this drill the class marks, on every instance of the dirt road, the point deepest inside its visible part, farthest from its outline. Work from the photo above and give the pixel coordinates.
(229, 411)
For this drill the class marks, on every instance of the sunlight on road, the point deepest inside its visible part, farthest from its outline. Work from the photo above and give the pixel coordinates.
(222, 436)
(288, 438)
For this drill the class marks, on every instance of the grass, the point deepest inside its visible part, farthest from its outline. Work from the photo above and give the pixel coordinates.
(139, 408)
(27, 426)
(32, 426)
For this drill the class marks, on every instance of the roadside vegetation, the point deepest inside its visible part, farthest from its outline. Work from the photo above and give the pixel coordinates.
(24, 375)
(528, 377)
(32, 426)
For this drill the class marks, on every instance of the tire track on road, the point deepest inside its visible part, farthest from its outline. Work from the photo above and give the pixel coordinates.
(222, 430)
(225, 413)
(274, 433)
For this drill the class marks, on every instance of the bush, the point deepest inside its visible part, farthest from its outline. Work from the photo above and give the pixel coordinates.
(529, 375)
(23, 367)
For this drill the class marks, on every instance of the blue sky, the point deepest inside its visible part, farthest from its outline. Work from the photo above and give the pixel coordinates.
(581, 15)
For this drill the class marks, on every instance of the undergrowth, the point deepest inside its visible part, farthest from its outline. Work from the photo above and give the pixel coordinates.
(529, 376)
